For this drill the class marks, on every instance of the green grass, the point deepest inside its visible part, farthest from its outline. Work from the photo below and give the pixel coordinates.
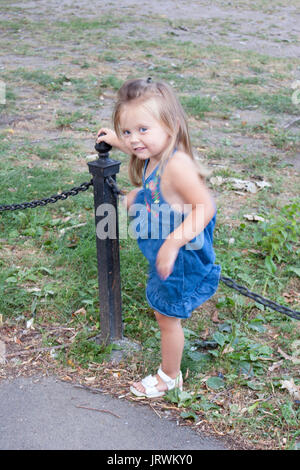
(197, 105)
(248, 81)
(110, 81)
(67, 119)
(244, 98)
(48, 258)
(38, 77)
(106, 21)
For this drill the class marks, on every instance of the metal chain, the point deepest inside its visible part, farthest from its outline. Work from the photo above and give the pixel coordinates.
(114, 187)
(230, 282)
(117, 192)
(51, 199)
(261, 300)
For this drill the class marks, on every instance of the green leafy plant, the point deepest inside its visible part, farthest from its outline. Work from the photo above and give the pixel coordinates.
(85, 349)
(278, 237)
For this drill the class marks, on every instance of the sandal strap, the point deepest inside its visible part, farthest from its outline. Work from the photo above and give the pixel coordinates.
(149, 381)
(171, 383)
(149, 384)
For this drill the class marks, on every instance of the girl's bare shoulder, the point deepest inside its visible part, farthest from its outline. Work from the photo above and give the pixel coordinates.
(181, 163)
(181, 167)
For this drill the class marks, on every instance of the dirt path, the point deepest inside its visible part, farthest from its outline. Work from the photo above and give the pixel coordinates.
(271, 29)
(62, 62)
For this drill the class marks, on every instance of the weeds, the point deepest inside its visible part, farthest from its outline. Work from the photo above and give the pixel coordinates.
(279, 238)
(279, 102)
(197, 106)
(236, 352)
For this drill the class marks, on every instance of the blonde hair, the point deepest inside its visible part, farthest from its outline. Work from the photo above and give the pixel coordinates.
(159, 99)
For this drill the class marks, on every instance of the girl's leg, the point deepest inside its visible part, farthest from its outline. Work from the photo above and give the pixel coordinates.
(172, 342)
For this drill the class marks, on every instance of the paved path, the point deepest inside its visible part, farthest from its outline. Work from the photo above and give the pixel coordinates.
(43, 414)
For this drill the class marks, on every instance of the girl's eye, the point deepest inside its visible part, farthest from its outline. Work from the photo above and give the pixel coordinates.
(143, 129)
(126, 132)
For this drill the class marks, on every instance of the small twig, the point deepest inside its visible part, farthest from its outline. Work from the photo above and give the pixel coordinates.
(291, 123)
(90, 389)
(19, 353)
(96, 409)
(64, 230)
(170, 408)
(155, 411)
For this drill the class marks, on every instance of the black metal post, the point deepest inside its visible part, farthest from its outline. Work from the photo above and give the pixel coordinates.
(108, 257)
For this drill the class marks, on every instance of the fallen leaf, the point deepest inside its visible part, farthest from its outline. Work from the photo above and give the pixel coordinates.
(89, 379)
(293, 359)
(34, 289)
(293, 389)
(91, 157)
(296, 347)
(243, 184)
(80, 311)
(215, 317)
(291, 297)
(240, 193)
(217, 180)
(205, 334)
(262, 184)
(254, 217)
(67, 377)
(227, 349)
(29, 323)
(238, 184)
(275, 365)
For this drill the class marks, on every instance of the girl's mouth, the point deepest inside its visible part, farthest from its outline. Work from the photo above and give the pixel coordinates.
(139, 149)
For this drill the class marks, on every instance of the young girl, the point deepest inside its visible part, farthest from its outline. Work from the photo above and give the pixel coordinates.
(150, 125)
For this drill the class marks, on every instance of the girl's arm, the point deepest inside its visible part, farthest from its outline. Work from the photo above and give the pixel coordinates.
(195, 193)
(130, 198)
(186, 183)
(112, 139)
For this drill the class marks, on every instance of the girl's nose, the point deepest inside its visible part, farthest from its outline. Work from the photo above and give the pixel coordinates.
(133, 137)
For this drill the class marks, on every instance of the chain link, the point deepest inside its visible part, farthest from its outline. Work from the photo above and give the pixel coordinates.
(260, 299)
(48, 200)
(117, 192)
(114, 187)
(230, 282)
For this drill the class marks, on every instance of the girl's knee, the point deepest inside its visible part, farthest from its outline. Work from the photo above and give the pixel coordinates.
(166, 322)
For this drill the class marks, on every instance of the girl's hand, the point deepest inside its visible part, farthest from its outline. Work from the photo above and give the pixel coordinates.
(110, 137)
(166, 258)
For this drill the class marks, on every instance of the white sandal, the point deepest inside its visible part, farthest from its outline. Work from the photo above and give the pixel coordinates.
(150, 382)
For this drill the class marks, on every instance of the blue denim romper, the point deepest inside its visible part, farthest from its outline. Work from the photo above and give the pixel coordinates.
(195, 277)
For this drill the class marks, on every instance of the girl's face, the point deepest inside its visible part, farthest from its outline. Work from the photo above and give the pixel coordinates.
(143, 135)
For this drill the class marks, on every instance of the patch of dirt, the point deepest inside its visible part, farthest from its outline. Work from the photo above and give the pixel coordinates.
(247, 25)
(271, 29)
(26, 356)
